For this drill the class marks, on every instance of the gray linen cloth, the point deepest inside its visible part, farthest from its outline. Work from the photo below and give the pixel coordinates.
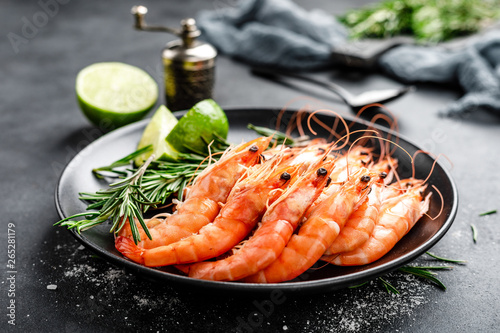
(279, 33)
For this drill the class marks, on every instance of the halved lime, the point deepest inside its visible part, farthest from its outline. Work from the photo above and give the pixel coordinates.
(198, 127)
(155, 133)
(113, 94)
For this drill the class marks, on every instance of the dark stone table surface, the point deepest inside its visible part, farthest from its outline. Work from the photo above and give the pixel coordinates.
(42, 128)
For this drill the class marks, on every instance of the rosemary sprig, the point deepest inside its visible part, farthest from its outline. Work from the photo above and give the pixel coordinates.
(122, 201)
(420, 271)
(424, 273)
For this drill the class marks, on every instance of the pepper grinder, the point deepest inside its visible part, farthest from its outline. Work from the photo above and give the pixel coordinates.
(188, 64)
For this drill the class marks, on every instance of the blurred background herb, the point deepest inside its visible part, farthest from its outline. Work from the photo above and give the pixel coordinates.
(426, 20)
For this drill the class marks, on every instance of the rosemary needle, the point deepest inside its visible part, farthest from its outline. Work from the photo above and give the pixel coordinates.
(446, 259)
(358, 285)
(424, 273)
(389, 287)
(278, 137)
(488, 213)
(474, 232)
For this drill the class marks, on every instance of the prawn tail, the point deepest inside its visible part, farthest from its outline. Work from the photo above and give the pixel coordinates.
(129, 249)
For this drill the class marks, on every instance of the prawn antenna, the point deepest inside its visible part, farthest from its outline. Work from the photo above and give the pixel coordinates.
(387, 140)
(358, 139)
(298, 119)
(436, 158)
(442, 204)
(292, 101)
(330, 130)
(389, 117)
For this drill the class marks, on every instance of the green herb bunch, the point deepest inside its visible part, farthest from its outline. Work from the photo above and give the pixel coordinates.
(149, 186)
(426, 20)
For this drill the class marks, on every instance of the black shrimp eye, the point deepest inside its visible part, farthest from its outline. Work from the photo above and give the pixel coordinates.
(328, 181)
(365, 178)
(383, 175)
(285, 176)
(253, 148)
(321, 150)
(321, 172)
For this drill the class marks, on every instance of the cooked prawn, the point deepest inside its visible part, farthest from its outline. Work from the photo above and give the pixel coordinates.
(276, 228)
(318, 231)
(361, 223)
(398, 216)
(210, 189)
(243, 209)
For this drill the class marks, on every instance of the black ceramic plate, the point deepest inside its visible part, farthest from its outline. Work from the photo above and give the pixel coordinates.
(77, 177)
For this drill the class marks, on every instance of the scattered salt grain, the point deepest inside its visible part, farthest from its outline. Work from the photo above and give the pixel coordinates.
(51, 287)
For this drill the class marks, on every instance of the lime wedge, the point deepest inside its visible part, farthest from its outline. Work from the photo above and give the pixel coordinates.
(155, 133)
(113, 94)
(198, 127)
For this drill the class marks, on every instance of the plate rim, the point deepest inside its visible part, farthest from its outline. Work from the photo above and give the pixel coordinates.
(308, 286)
